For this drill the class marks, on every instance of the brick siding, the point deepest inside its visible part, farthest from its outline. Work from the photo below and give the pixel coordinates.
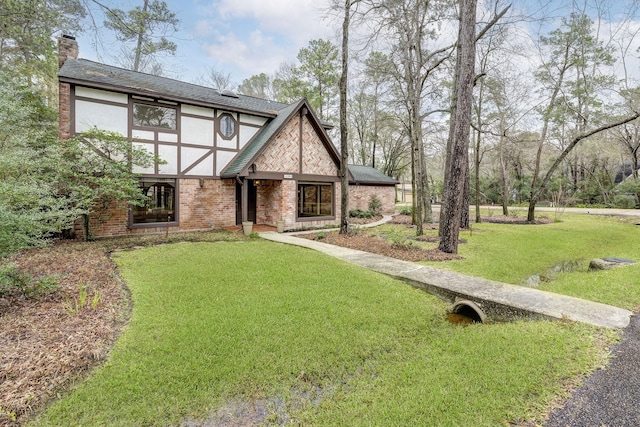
(360, 195)
(212, 206)
(283, 152)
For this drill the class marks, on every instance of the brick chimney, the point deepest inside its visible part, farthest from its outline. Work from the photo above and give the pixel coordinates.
(67, 49)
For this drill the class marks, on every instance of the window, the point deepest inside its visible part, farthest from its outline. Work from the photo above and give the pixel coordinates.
(227, 126)
(154, 116)
(160, 206)
(315, 199)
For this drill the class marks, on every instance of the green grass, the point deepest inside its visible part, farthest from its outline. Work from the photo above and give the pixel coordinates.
(313, 341)
(512, 253)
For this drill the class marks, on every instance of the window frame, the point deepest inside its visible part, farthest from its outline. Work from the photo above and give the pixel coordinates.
(300, 216)
(219, 126)
(174, 182)
(135, 102)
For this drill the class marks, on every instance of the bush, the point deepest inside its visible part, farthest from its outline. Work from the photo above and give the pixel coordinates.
(406, 210)
(398, 240)
(357, 213)
(375, 205)
(625, 201)
(14, 281)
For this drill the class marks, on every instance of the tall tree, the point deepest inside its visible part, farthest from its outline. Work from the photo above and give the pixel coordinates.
(315, 77)
(344, 136)
(574, 81)
(412, 24)
(258, 85)
(218, 80)
(27, 48)
(458, 162)
(146, 27)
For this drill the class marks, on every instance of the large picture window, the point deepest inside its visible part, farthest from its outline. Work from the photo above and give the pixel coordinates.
(315, 199)
(160, 206)
(154, 116)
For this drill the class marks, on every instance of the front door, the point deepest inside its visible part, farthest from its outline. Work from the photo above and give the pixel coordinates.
(252, 198)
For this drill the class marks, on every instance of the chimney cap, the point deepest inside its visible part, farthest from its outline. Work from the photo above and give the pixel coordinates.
(67, 36)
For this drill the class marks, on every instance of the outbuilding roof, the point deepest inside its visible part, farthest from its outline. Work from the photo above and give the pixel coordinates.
(366, 175)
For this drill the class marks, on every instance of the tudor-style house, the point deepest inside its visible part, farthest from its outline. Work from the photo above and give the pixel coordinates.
(227, 158)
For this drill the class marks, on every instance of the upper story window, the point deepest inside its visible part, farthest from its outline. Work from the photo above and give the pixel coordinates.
(154, 116)
(227, 128)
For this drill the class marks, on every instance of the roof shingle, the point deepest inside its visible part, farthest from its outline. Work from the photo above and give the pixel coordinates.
(82, 70)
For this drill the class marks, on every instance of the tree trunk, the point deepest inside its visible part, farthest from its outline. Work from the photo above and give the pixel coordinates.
(141, 31)
(450, 221)
(344, 149)
(87, 231)
(504, 190)
(466, 194)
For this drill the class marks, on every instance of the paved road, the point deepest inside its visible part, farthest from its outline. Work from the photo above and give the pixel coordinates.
(611, 396)
(587, 211)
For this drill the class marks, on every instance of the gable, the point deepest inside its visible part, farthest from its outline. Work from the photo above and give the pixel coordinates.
(294, 142)
(316, 160)
(282, 154)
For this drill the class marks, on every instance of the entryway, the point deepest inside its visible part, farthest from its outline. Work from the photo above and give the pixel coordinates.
(252, 198)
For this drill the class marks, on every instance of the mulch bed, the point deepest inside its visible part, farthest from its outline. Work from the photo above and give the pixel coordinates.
(48, 342)
(364, 242)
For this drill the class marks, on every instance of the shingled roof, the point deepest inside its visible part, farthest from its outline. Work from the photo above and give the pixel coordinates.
(366, 175)
(108, 77)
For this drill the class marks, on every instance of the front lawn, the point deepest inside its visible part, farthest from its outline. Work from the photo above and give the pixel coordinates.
(269, 333)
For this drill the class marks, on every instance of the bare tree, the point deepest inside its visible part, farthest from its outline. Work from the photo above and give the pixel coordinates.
(218, 79)
(412, 24)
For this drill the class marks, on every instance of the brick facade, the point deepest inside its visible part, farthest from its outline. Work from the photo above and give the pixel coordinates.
(200, 208)
(315, 157)
(360, 195)
(283, 152)
(277, 199)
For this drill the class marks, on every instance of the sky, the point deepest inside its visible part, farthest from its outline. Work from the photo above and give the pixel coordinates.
(247, 37)
(239, 37)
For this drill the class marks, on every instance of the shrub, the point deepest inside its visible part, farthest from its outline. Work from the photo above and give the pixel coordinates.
(406, 210)
(625, 201)
(398, 240)
(375, 205)
(14, 281)
(357, 213)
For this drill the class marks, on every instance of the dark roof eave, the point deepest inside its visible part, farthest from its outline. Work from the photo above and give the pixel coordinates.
(376, 183)
(142, 92)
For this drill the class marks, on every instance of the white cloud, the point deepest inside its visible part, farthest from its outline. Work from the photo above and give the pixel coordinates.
(298, 21)
(254, 36)
(256, 54)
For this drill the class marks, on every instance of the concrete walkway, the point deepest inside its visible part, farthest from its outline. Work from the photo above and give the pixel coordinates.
(498, 301)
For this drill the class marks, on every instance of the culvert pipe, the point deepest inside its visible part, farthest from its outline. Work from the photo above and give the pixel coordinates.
(469, 309)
